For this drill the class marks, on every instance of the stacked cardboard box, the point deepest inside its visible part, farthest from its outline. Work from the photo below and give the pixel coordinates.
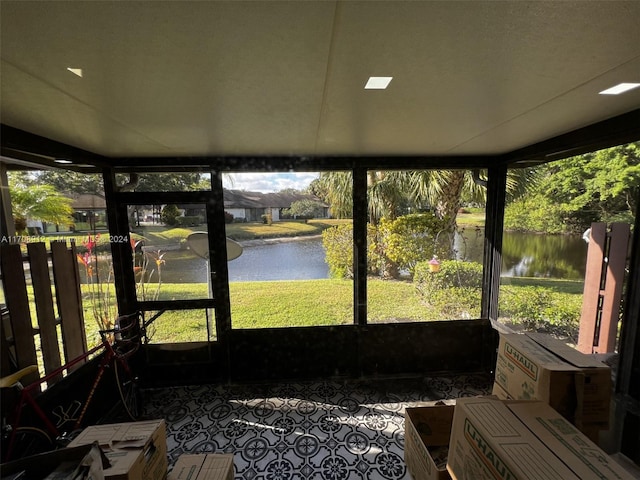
(493, 439)
(508, 440)
(537, 367)
(426, 440)
(136, 450)
(203, 467)
(86, 462)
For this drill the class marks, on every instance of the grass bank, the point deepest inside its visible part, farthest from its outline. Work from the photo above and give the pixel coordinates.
(302, 303)
(305, 303)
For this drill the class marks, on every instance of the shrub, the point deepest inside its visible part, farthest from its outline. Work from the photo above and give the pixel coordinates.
(453, 273)
(169, 215)
(228, 218)
(410, 239)
(524, 305)
(539, 308)
(456, 302)
(338, 245)
(267, 218)
(189, 221)
(455, 291)
(393, 246)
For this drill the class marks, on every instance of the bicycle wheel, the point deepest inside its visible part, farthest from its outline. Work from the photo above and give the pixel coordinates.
(29, 441)
(128, 389)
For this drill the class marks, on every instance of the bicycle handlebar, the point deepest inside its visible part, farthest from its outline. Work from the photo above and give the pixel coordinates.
(126, 339)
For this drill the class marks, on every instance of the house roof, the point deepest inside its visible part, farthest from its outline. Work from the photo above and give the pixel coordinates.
(87, 201)
(244, 199)
(180, 83)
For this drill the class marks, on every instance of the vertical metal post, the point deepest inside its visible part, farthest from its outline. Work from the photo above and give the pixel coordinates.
(494, 224)
(360, 245)
(624, 435)
(120, 251)
(219, 266)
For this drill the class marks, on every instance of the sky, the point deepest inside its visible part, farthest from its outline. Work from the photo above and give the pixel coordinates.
(268, 182)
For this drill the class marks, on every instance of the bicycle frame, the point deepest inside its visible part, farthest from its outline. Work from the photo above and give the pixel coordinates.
(29, 393)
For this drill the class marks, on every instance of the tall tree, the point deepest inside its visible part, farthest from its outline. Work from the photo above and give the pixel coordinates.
(165, 182)
(601, 186)
(335, 189)
(70, 182)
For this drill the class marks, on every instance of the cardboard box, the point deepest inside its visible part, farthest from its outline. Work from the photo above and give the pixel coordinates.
(203, 467)
(136, 450)
(592, 432)
(507, 440)
(58, 464)
(426, 435)
(537, 367)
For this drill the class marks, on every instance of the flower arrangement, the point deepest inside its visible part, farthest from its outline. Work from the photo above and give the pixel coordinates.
(98, 269)
(145, 265)
(101, 297)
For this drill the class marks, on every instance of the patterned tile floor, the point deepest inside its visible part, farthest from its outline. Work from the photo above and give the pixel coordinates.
(314, 430)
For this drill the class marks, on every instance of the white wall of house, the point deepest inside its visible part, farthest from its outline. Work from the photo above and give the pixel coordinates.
(275, 214)
(236, 212)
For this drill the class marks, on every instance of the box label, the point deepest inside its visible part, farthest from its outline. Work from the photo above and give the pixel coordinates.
(521, 361)
(486, 453)
(421, 452)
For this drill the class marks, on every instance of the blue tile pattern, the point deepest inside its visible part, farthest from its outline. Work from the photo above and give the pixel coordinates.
(312, 430)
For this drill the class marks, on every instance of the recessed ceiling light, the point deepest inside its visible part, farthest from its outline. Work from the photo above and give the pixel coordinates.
(620, 88)
(377, 83)
(62, 160)
(75, 71)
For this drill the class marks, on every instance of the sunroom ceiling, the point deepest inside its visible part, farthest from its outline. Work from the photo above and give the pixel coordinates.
(217, 78)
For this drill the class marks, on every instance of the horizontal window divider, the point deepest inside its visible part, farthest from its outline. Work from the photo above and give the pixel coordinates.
(304, 163)
(149, 198)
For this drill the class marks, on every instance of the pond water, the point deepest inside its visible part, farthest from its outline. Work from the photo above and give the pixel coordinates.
(530, 254)
(524, 255)
(293, 260)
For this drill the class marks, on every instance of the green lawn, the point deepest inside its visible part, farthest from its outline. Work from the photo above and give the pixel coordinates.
(301, 303)
(473, 217)
(296, 303)
(559, 286)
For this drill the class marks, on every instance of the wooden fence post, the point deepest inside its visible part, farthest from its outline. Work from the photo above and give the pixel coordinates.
(604, 278)
(15, 290)
(66, 279)
(41, 281)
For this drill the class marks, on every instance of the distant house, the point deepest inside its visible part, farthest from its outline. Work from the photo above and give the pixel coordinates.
(250, 206)
(89, 212)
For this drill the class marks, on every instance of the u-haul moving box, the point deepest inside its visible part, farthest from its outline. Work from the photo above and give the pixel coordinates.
(211, 466)
(493, 439)
(537, 367)
(136, 450)
(426, 441)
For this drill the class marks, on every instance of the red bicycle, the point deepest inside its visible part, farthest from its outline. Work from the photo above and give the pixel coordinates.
(42, 432)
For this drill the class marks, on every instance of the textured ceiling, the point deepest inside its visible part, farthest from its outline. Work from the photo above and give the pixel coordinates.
(163, 78)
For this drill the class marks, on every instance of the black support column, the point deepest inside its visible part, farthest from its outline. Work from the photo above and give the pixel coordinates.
(120, 250)
(626, 408)
(494, 224)
(360, 245)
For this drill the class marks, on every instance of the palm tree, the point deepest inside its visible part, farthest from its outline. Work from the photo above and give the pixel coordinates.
(442, 190)
(39, 202)
(336, 189)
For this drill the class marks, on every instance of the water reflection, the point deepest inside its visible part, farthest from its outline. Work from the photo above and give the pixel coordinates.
(550, 256)
(524, 255)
